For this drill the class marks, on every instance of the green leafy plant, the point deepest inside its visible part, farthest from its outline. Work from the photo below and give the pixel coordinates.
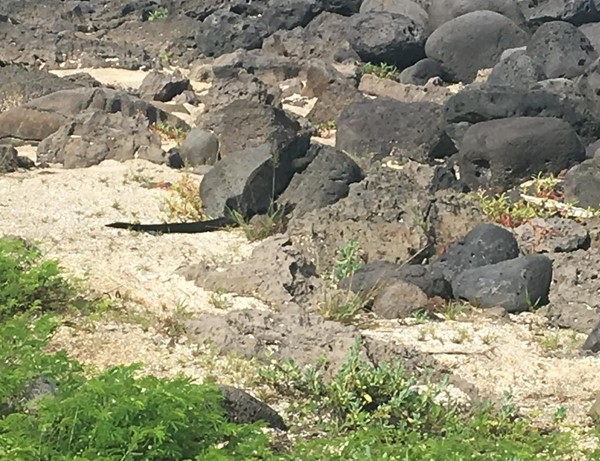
(160, 13)
(219, 300)
(28, 283)
(381, 70)
(347, 261)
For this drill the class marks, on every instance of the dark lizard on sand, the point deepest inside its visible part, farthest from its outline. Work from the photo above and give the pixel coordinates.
(177, 228)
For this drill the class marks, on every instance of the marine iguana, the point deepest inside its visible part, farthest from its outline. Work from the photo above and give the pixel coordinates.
(196, 227)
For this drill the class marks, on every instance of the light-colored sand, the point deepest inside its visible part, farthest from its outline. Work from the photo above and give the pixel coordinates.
(66, 211)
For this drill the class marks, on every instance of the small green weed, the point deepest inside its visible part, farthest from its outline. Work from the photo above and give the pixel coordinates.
(160, 13)
(347, 261)
(166, 57)
(342, 305)
(168, 133)
(219, 300)
(381, 70)
(325, 129)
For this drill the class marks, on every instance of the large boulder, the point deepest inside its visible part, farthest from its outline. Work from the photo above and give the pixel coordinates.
(473, 41)
(387, 37)
(94, 136)
(517, 285)
(225, 31)
(324, 181)
(246, 124)
(406, 8)
(247, 181)
(561, 50)
(502, 153)
(412, 130)
(479, 103)
(576, 12)
(442, 11)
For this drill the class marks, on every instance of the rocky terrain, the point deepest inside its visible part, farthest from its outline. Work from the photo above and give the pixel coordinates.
(447, 148)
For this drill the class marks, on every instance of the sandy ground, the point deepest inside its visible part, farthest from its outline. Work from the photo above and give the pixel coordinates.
(66, 210)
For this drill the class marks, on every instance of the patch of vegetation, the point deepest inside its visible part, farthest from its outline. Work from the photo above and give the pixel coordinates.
(159, 13)
(31, 284)
(512, 213)
(364, 412)
(168, 133)
(342, 305)
(261, 227)
(380, 412)
(119, 416)
(166, 57)
(347, 261)
(381, 70)
(219, 300)
(325, 129)
(183, 201)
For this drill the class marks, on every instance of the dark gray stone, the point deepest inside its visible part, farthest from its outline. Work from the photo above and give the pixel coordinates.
(199, 148)
(225, 31)
(516, 71)
(406, 8)
(268, 67)
(325, 180)
(479, 103)
(326, 37)
(484, 245)
(561, 50)
(378, 274)
(442, 11)
(43, 116)
(238, 87)
(94, 136)
(576, 12)
(421, 72)
(414, 130)
(242, 408)
(245, 124)
(343, 7)
(247, 181)
(159, 86)
(287, 14)
(473, 41)
(517, 285)
(502, 153)
(582, 184)
(385, 37)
